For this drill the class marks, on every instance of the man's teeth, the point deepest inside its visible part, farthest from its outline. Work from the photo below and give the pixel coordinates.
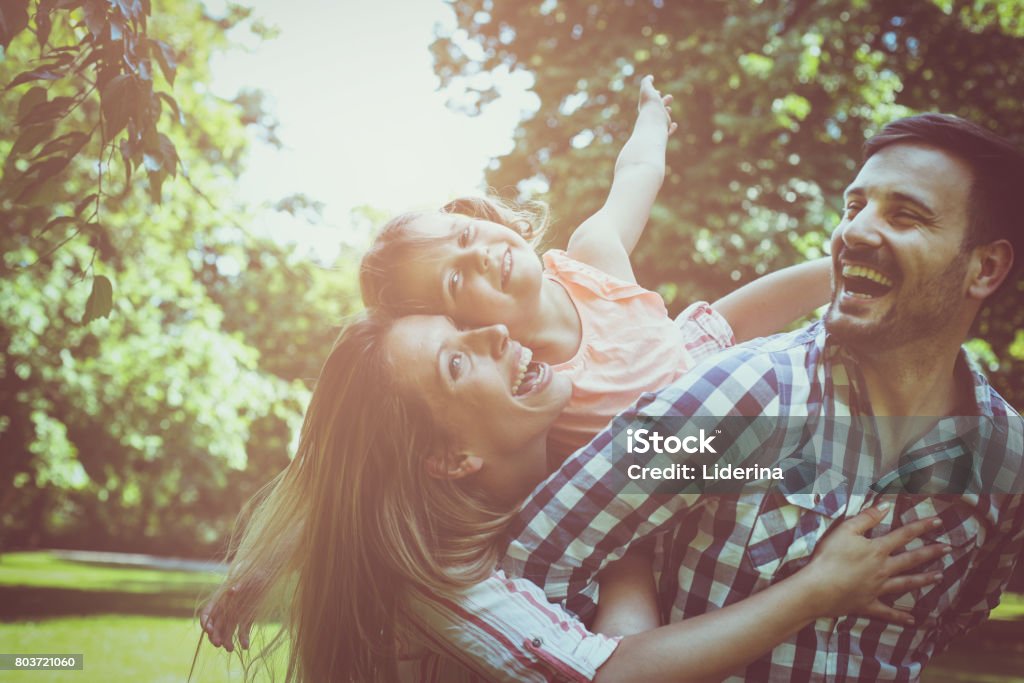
(524, 362)
(866, 273)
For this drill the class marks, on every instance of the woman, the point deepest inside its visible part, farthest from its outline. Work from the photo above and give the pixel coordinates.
(414, 452)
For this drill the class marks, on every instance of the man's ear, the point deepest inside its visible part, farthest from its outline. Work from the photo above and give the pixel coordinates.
(993, 263)
(453, 465)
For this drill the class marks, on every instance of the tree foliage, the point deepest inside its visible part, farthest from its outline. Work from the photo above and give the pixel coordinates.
(773, 99)
(149, 425)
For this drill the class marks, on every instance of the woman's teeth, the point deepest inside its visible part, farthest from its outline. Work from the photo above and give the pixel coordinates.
(524, 363)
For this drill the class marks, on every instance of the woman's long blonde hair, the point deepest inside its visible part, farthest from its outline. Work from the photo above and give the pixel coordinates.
(335, 541)
(395, 245)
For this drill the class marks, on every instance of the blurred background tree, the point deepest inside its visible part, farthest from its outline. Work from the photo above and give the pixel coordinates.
(773, 99)
(155, 358)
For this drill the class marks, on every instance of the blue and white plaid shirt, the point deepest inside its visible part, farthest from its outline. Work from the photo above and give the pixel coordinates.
(813, 419)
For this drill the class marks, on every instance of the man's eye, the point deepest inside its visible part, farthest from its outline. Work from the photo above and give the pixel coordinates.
(851, 207)
(454, 280)
(464, 237)
(455, 365)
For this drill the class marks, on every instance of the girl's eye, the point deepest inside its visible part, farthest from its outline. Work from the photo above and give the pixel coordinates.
(454, 280)
(464, 238)
(455, 365)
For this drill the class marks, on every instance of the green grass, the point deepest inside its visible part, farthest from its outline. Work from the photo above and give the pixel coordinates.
(137, 624)
(131, 624)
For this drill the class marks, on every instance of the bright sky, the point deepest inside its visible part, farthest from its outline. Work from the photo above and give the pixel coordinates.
(363, 123)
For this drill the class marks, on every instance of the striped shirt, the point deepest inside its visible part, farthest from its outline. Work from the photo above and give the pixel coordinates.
(814, 422)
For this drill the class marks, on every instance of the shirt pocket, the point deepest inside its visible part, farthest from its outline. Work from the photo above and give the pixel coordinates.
(795, 513)
(961, 530)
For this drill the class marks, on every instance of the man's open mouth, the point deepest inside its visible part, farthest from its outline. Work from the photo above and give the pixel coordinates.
(531, 374)
(865, 282)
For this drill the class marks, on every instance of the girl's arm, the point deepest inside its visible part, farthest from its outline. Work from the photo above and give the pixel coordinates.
(848, 574)
(628, 601)
(766, 305)
(606, 239)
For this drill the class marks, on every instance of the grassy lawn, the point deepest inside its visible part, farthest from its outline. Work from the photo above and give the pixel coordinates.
(132, 624)
(136, 624)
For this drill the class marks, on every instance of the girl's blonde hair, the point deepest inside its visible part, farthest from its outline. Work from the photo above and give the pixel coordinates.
(396, 245)
(335, 542)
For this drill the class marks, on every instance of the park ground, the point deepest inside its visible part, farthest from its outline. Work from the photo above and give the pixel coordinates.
(133, 619)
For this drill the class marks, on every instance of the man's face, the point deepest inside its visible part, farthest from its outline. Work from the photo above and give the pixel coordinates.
(899, 267)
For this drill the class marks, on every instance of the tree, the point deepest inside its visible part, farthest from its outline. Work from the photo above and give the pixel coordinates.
(773, 101)
(148, 428)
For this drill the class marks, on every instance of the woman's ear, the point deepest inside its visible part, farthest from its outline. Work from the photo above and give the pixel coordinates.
(451, 465)
(994, 263)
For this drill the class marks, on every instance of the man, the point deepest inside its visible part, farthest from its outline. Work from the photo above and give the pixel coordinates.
(927, 235)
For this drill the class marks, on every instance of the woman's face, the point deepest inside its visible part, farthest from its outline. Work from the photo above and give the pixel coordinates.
(487, 396)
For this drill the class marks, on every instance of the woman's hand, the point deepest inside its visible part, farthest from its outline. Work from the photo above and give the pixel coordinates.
(849, 571)
(220, 617)
(650, 97)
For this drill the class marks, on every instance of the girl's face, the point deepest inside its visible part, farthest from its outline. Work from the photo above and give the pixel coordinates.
(484, 392)
(476, 272)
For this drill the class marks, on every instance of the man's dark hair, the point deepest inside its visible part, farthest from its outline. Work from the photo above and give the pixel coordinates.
(997, 189)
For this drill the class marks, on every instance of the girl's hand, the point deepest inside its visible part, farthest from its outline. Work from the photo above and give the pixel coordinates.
(649, 96)
(849, 571)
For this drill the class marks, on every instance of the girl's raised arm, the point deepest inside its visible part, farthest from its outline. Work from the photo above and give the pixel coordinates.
(771, 302)
(606, 239)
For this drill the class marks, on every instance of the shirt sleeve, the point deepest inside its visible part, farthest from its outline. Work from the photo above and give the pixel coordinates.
(505, 630)
(989, 576)
(705, 330)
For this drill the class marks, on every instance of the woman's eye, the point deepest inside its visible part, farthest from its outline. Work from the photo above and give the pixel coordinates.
(454, 280)
(455, 365)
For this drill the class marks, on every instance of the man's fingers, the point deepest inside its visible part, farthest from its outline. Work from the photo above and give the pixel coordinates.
(886, 613)
(908, 582)
(897, 538)
(867, 519)
(902, 562)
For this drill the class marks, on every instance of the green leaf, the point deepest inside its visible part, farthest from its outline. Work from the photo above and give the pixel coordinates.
(101, 300)
(95, 16)
(54, 109)
(173, 104)
(165, 58)
(83, 204)
(43, 21)
(117, 102)
(30, 101)
(13, 20)
(70, 144)
(31, 136)
(41, 74)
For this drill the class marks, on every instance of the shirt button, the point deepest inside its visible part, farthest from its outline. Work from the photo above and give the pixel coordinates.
(536, 642)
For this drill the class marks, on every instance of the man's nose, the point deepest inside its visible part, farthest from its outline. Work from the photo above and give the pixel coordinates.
(863, 230)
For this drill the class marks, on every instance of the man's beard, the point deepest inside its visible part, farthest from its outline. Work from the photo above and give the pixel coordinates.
(915, 315)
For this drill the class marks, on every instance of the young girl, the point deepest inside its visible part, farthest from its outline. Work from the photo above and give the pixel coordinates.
(582, 310)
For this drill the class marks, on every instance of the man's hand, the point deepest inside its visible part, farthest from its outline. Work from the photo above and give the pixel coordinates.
(650, 97)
